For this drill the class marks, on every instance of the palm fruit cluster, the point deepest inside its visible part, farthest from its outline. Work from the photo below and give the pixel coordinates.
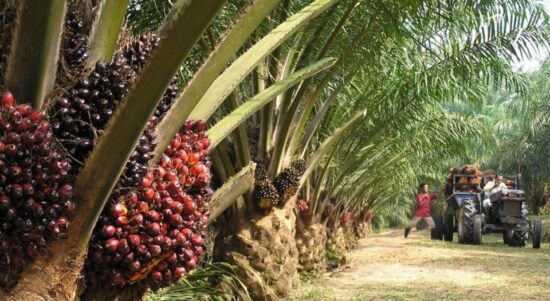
(346, 218)
(368, 216)
(155, 233)
(81, 114)
(167, 100)
(74, 45)
(35, 186)
(471, 181)
(303, 208)
(288, 181)
(265, 195)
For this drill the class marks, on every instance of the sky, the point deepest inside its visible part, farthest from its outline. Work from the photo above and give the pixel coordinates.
(534, 64)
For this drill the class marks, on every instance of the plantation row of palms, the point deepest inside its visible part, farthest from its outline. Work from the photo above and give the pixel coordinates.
(164, 110)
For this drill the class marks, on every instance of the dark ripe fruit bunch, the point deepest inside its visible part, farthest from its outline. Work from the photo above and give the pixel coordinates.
(35, 184)
(299, 166)
(303, 208)
(81, 114)
(75, 43)
(155, 234)
(137, 165)
(329, 210)
(265, 195)
(260, 173)
(288, 180)
(167, 100)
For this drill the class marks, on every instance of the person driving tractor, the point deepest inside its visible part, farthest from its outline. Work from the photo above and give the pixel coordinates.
(423, 202)
(492, 187)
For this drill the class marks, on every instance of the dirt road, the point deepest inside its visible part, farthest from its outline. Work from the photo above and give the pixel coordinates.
(388, 267)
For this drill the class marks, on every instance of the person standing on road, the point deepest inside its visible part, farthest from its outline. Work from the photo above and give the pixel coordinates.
(423, 202)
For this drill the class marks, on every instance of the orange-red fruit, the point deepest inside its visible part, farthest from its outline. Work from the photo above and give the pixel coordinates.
(7, 99)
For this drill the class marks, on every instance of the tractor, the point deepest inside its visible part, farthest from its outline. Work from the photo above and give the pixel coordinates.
(466, 215)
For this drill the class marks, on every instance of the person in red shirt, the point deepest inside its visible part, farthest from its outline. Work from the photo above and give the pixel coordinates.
(423, 201)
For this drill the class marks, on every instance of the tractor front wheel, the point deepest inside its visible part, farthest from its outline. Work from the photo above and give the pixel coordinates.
(518, 237)
(476, 235)
(448, 224)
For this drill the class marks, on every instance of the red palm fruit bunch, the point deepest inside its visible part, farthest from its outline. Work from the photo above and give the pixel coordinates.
(368, 216)
(344, 220)
(35, 186)
(303, 208)
(155, 234)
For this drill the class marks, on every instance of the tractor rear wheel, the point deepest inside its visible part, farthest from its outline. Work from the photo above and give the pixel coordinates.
(448, 224)
(476, 235)
(537, 232)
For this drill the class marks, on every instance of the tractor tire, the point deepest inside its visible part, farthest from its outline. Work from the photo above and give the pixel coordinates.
(466, 222)
(537, 232)
(437, 232)
(518, 238)
(478, 227)
(448, 224)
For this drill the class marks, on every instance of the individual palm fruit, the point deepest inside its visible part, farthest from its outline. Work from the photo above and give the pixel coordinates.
(35, 187)
(155, 233)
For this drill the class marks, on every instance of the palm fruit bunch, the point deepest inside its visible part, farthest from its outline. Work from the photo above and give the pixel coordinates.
(368, 216)
(167, 100)
(81, 114)
(35, 187)
(74, 46)
(303, 208)
(471, 180)
(154, 234)
(265, 195)
(288, 181)
(346, 217)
